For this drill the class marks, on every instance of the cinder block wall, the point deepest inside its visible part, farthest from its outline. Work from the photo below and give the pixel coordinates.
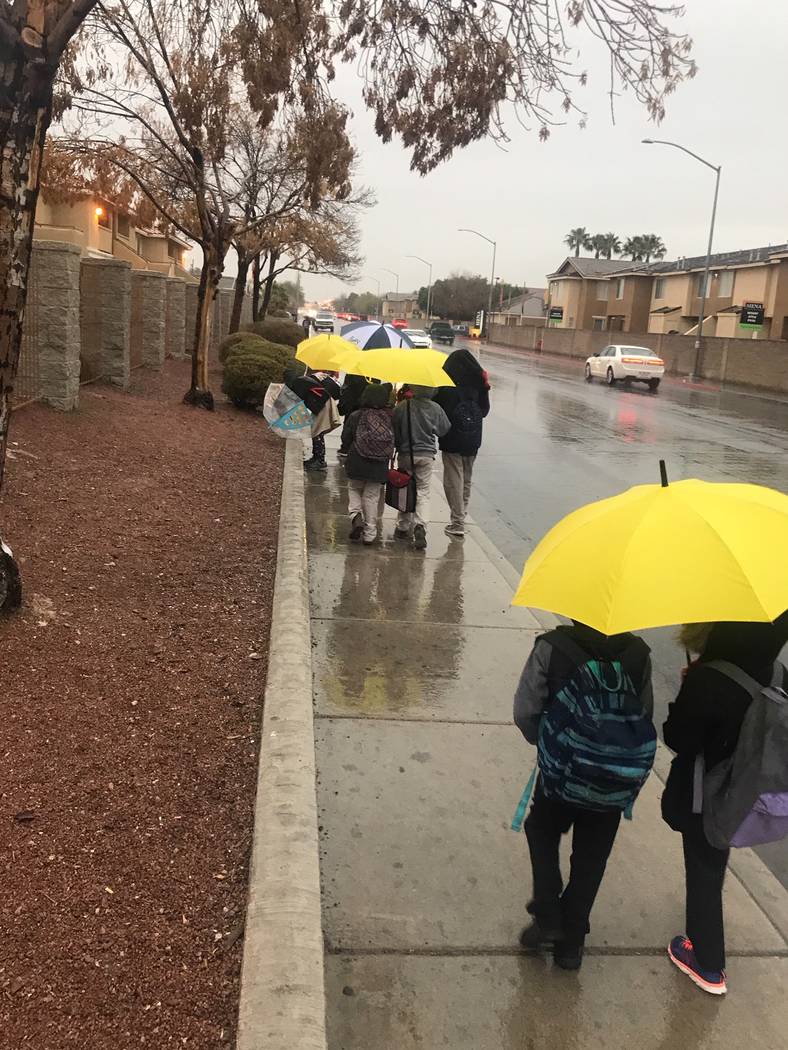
(176, 318)
(105, 320)
(55, 302)
(149, 317)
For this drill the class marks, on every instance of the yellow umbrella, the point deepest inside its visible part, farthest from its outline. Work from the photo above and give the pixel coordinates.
(325, 352)
(689, 552)
(419, 367)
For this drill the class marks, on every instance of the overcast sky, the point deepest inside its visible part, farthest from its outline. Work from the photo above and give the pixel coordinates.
(527, 198)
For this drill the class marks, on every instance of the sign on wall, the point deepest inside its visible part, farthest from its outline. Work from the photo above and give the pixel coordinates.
(556, 313)
(751, 315)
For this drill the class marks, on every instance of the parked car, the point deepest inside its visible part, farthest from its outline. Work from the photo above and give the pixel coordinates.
(628, 363)
(324, 321)
(418, 337)
(399, 322)
(441, 332)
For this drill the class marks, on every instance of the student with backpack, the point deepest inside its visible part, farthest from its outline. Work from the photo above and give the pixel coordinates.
(586, 701)
(728, 784)
(418, 423)
(466, 404)
(368, 435)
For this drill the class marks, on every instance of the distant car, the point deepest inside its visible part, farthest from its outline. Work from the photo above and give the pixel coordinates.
(441, 332)
(629, 363)
(323, 322)
(399, 322)
(460, 329)
(418, 337)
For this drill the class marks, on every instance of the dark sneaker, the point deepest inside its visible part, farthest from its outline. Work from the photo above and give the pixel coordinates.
(454, 529)
(420, 538)
(682, 954)
(537, 936)
(402, 534)
(568, 956)
(316, 466)
(356, 527)
(308, 463)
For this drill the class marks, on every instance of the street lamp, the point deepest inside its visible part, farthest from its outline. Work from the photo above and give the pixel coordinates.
(368, 277)
(393, 275)
(429, 282)
(704, 290)
(492, 275)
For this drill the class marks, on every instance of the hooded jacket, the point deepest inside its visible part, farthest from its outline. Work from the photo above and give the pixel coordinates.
(375, 398)
(470, 385)
(428, 421)
(548, 670)
(706, 717)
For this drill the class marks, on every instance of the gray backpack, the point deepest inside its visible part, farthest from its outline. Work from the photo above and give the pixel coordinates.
(744, 798)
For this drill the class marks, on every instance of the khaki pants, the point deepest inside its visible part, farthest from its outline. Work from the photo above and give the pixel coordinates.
(457, 474)
(421, 469)
(364, 499)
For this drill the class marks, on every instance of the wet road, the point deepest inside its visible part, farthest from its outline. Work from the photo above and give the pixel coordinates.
(553, 443)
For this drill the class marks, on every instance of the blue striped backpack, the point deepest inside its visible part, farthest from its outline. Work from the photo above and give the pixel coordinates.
(596, 745)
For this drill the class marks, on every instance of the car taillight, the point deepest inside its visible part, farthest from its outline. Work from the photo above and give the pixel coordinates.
(642, 361)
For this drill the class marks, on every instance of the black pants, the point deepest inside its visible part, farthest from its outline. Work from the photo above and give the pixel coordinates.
(593, 836)
(705, 873)
(319, 449)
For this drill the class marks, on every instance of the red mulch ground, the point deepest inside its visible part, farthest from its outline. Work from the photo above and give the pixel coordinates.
(131, 696)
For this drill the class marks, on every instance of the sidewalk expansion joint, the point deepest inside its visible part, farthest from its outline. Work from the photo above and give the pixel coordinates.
(490, 951)
(419, 721)
(430, 623)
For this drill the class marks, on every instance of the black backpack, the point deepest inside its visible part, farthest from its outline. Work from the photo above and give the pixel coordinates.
(466, 423)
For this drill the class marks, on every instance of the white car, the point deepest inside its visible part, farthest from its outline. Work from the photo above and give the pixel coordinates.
(419, 338)
(323, 322)
(628, 363)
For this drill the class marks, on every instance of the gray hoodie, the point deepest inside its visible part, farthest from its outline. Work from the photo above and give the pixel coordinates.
(428, 422)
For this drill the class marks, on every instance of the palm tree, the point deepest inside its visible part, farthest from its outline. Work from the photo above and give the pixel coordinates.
(653, 247)
(599, 244)
(633, 248)
(577, 239)
(612, 245)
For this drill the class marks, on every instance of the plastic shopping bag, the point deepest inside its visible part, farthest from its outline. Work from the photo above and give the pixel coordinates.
(285, 412)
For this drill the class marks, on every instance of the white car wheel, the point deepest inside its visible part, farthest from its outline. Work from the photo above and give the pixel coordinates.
(611, 379)
(589, 377)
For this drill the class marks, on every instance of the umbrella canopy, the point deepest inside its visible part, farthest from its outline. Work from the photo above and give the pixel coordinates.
(689, 552)
(418, 367)
(325, 352)
(369, 335)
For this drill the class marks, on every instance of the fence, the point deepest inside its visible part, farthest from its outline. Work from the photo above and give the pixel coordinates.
(26, 387)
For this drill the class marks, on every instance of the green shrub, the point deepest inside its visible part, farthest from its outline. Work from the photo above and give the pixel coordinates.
(237, 339)
(281, 313)
(278, 330)
(250, 367)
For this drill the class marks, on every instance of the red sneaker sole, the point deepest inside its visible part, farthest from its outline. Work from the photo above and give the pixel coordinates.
(712, 989)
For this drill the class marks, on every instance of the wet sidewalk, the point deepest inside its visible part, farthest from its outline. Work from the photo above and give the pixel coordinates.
(416, 656)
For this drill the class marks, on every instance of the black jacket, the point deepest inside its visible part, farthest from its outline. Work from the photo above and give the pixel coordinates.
(470, 385)
(350, 394)
(706, 717)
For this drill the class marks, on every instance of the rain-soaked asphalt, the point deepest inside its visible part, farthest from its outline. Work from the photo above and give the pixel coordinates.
(553, 442)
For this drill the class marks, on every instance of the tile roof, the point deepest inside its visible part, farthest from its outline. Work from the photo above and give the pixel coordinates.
(592, 267)
(737, 258)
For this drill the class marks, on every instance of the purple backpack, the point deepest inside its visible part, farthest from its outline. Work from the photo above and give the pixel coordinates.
(744, 798)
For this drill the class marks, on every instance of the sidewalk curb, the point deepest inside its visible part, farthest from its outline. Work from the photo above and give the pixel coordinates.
(282, 998)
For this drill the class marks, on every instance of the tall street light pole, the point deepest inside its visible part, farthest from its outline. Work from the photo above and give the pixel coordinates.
(492, 276)
(368, 277)
(429, 282)
(396, 275)
(705, 288)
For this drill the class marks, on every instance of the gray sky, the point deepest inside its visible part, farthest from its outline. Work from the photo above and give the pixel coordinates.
(527, 198)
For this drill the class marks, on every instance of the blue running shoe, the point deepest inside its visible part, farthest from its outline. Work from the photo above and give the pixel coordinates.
(682, 954)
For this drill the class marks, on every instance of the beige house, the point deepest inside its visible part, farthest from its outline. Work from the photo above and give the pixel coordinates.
(600, 294)
(100, 229)
(401, 304)
(755, 275)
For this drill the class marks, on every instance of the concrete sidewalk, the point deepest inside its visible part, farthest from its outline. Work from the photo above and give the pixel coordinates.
(416, 657)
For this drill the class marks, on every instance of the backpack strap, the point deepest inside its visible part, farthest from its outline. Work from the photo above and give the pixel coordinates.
(749, 684)
(567, 646)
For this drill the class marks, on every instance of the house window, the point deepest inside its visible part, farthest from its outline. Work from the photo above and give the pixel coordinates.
(659, 288)
(726, 284)
(173, 251)
(599, 324)
(124, 227)
(104, 217)
(620, 288)
(140, 246)
(699, 285)
(602, 290)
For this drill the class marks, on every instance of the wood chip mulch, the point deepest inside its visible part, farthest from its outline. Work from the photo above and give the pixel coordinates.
(130, 703)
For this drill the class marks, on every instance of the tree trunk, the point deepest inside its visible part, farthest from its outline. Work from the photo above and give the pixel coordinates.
(256, 281)
(25, 112)
(269, 284)
(240, 291)
(210, 275)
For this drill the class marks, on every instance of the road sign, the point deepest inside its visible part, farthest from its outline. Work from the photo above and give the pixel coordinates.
(751, 315)
(556, 313)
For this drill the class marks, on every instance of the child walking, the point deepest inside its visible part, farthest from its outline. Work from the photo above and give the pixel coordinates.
(705, 720)
(368, 435)
(573, 676)
(418, 423)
